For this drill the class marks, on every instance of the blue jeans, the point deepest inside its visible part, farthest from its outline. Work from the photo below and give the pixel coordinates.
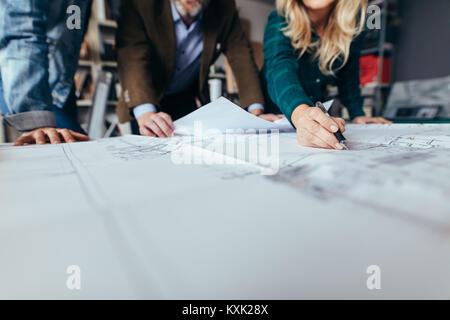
(67, 117)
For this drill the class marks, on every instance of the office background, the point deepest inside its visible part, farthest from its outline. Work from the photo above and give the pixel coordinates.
(413, 44)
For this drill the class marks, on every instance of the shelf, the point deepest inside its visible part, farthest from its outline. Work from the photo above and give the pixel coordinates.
(372, 85)
(376, 2)
(217, 76)
(88, 103)
(371, 89)
(110, 64)
(85, 63)
(90, 64)
(84, 103)
(108, 23)
(387, 47)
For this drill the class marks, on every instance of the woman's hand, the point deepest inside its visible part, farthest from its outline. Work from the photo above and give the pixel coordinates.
(366, 120)
(271, 117)
(315, 128)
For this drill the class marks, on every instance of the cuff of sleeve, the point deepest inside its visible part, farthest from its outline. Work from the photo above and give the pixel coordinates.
(288, 110)
(27, 121)
(143, 108)
(255, 106)
(355, 112)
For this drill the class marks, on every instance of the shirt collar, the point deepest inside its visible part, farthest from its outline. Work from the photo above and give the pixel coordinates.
(177, 18)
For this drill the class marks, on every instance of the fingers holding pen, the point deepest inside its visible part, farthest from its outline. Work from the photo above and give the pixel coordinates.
(316, 129)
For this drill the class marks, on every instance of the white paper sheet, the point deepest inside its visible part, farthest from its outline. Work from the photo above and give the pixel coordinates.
(222, 115)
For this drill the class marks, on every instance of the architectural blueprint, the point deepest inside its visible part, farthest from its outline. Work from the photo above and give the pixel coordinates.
(182, 218)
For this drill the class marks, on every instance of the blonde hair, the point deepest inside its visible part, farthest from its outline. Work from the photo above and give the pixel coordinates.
(345, 22)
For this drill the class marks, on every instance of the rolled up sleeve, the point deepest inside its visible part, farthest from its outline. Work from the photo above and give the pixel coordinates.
(282, 68)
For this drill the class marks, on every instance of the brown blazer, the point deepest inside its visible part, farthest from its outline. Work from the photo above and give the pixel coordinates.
(146, 45)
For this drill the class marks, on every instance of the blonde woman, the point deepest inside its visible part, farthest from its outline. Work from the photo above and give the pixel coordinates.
(308, 45)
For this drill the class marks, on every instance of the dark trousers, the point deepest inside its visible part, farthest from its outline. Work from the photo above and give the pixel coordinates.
(67, 117)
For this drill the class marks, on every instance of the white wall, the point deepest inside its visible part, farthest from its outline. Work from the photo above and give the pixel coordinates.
(422, 46)
(257, 12)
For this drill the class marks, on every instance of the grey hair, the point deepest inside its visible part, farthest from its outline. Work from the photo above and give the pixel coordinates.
(193, 13)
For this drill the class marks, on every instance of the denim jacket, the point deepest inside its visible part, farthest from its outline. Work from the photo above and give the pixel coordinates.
(38, 58)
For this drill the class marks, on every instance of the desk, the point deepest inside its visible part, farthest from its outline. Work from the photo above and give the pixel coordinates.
(436, 121)
(142, 223)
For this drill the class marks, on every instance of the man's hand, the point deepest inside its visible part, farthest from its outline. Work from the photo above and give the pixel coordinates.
(152, 124)
(267, 116)
(48, 134)
(272, 117)
(366, 120)
(315, 128)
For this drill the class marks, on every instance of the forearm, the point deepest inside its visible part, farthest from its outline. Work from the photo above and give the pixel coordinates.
(135, 77)
(354, 106)
(239, 53)
(134, 54)
(350, 92)
(282, 69)
(248, 82)
(349, 81)
(298, 112)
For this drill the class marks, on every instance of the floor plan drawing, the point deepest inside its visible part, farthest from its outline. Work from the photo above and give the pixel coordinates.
(123, 209)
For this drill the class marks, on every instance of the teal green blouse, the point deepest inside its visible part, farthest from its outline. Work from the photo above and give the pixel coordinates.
(292, 81)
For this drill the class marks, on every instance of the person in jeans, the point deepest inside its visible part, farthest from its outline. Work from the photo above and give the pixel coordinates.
(39, 53)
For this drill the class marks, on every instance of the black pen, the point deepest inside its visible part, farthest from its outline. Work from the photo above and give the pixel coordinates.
(338, 134)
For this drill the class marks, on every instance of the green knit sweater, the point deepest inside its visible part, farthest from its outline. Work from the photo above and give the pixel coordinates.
(292, 81)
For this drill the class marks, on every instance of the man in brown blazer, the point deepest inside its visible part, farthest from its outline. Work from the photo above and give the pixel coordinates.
(165, 50)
